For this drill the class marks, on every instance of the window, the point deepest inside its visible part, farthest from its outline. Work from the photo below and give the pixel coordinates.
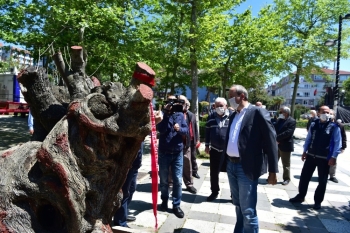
(306, 94)
(298, 94)
(305, 101)
(318, 77)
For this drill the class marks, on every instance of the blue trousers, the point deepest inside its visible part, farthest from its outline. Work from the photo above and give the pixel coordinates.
(175, 161)
(244, 198)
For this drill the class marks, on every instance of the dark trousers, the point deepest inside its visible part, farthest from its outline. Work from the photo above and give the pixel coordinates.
(193, 157)
(216, 161)
(128, 189)
(308, 169)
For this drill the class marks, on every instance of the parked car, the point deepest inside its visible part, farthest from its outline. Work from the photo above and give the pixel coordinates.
(305, 116)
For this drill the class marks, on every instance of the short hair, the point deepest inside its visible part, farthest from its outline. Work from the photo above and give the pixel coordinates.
(240, 89)
(220, 99)
(339, 121)
(286, 110)
(323, 106)
(313, 112)
(182, 97)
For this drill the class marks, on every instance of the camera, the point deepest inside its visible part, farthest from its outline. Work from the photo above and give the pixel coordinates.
(174, 101)
(175, 104)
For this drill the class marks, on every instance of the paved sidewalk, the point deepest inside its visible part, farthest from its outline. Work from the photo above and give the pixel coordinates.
(276, 213)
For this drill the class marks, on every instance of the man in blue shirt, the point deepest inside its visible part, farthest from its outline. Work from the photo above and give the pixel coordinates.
(321, 148)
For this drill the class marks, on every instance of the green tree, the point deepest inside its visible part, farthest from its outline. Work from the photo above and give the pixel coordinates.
(278, 100)
(306, 26)
(104, 28)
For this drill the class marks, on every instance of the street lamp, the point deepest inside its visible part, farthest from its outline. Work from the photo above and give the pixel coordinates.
(342, 96)
(332, 43)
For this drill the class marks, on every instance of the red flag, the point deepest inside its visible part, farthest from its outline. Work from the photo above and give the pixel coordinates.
(315, 92)
(154, 166)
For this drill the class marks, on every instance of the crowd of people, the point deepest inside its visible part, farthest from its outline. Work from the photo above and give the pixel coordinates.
(241, 139)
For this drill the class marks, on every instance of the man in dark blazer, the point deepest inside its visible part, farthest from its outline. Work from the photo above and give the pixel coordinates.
(250, 145)
(285, 127)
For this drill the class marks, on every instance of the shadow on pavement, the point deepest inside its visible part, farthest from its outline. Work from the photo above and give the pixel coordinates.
(185, 230)
(13, 131)
(310, 217)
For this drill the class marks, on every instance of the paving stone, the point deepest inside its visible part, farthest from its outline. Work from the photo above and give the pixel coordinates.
(317, 230)
(227, 219)
(223, 228)
(203, 216)
(192, 225)
(266, 216)
(336, 226)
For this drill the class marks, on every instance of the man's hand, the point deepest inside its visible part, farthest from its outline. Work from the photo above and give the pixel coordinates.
(31, 131)
(303, 156)
(158, 116)
(272, 179)
(332, 162)
(176, 127)
(207, 149)
(167, 107)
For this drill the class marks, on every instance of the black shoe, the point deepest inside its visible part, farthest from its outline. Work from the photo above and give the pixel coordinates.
(164, 206)
(335, 180)
(317, 206)
(178, 212)
(130, 218)
(286, 182)
(296, 199)
(212, 197)
(195, 175)
(192, 189)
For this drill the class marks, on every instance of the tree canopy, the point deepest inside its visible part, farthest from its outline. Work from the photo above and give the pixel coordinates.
(188, 43)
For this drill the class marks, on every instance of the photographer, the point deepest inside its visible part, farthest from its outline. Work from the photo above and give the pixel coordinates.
(170, 152)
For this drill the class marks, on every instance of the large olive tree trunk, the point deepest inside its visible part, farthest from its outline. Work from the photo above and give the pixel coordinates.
(69, 179)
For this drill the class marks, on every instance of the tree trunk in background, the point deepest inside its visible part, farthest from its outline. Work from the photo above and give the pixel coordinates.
(296, 83)
(194, 67)
(68, 180)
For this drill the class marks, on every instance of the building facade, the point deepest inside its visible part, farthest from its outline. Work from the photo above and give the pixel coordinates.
(17, 55)
(309, 93)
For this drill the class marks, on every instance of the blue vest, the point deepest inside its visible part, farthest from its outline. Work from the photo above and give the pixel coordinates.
(321, 135)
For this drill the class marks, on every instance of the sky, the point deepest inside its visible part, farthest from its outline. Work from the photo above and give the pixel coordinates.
(256, 5)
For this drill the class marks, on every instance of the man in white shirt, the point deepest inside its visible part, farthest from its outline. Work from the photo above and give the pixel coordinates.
(250, 146)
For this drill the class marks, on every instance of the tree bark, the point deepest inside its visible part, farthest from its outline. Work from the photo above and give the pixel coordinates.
(193, 56)
(69, 180)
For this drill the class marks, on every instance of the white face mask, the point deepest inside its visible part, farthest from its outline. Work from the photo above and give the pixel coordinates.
(324, 117)
(220, 110)
(233, 103)
(281, 116)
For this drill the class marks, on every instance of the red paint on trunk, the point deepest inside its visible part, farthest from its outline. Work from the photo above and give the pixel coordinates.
(7, 153)
(146, 92)
(92, 125)
(45, 158)
(96, 81)
(3, 227)
(62, 142)
(106, 228)
(73, 107)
